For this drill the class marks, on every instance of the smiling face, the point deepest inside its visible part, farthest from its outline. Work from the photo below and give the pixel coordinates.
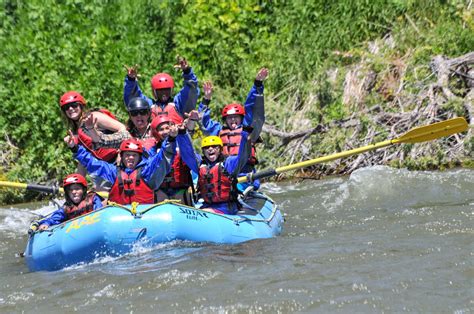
(73, 111)
(233, 121)
(212, 153)
(130, 159)
(163, 130)
(162, 94)
(75, 192)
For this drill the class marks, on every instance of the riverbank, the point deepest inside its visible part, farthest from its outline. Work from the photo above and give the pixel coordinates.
(335, 82)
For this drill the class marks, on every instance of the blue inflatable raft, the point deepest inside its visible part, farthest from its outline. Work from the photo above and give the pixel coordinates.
(114, 229)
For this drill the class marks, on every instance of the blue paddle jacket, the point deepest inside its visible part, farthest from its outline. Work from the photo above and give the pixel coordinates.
(153, 169)
(185, 100)
(212, 127)
(59, 215)
(232, 164)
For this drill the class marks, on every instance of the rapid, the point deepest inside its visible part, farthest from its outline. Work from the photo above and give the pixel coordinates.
(381, 240)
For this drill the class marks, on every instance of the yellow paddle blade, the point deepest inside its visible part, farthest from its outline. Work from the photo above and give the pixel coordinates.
(433, 131)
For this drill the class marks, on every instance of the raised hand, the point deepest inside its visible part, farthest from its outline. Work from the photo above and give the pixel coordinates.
(173, 130)
(132, 72)
(70, 139)
(191, 119)
(262, 74)
(193, 115)
(207, 87)
(90, 122)
(181, 63)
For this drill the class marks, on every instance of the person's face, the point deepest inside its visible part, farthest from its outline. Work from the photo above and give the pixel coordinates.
(73, 111)
(233, 121)
(163, 130)
(163, 94)
(75, 192)
(130, 159)
(140, 118)
(212, 152)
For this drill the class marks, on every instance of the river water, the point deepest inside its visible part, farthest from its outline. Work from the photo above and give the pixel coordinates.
(381, 240)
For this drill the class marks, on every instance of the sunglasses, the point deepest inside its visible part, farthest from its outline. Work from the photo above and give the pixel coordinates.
(73, 105)
(142, 112)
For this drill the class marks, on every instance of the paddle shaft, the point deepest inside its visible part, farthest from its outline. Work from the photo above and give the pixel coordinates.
(32, 187)
(416, 135)
(307, 163)
(39, 188)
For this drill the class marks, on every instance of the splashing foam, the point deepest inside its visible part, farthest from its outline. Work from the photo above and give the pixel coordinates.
(389, 188)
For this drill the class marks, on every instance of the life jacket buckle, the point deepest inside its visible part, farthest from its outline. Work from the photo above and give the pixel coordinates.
(129, 192)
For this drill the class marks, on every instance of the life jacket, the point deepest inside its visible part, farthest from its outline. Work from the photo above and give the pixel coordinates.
(231, 140)
(180, 175)
(147, 140)
(215, 185)
(131, 188)
(85, 206)
(170, 110)
(106, 154)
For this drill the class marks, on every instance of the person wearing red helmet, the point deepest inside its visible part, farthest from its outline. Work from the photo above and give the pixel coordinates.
(177, 182)
(136, 178)
(235, 117)
(82, 125)
(162, 85)
(78, 202)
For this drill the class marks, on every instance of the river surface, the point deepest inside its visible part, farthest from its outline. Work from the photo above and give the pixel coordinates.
(381, 240)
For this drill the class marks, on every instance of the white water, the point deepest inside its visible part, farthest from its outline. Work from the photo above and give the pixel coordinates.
(383, 240)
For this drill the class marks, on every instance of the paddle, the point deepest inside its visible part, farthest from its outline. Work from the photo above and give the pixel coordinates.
(416, 135)
(39, 188)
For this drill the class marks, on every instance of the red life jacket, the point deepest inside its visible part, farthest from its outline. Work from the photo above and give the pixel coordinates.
(84, 207)
(180, 175)
(231, 140)
(169, 109)
(131, 188)
(106, 154)
(147, 142)
(215, 185)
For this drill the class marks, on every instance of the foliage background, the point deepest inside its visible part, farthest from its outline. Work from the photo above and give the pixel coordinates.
(49, 47)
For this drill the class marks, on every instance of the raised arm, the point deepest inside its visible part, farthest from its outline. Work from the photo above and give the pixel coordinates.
(95, 166)
(253, 105)
(186, 99)
(158, 166)
(186, 150)
(234, 164)
(208, 126)
(131, 88)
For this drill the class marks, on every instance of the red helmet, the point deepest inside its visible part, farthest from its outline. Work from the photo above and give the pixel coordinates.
(131, 145)
(74, 178)
(157, 121)
(71, 97)
(162, 80)
(233, 109)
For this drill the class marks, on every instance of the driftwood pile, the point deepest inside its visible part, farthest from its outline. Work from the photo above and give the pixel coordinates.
(450, 95)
